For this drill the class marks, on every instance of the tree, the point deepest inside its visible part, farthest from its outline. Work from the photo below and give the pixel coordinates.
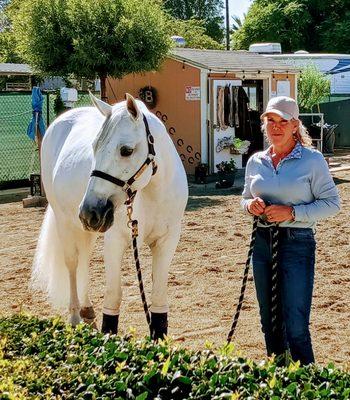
(313, 25)
(237, 22)
(335, 35)
(92, 38)
(209, 11)
(193, 31)
(8, 52)
(270, 21)
(313, 87)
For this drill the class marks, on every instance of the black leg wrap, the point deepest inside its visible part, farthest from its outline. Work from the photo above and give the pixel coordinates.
(110, 323)
(159, 325)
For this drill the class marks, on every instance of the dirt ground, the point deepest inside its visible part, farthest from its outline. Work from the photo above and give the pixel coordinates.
(205, 276)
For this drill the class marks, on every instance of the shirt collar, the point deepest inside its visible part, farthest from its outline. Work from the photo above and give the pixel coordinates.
(295, 153)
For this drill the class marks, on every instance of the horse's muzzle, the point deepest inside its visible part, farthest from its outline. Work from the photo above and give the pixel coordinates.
(97, 217)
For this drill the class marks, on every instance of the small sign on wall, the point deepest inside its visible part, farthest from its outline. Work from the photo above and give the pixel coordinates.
(192, 93)
(283, 88)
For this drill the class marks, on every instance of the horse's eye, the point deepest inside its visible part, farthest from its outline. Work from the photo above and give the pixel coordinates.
(126, 151)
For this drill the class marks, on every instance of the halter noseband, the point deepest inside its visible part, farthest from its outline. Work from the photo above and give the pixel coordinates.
(126, 185)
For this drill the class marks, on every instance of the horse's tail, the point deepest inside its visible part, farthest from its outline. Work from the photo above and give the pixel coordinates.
(49, 272)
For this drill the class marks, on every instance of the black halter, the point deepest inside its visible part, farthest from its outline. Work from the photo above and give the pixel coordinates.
(126, 185)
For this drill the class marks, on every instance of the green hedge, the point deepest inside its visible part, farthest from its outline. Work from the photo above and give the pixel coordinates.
(45, 359)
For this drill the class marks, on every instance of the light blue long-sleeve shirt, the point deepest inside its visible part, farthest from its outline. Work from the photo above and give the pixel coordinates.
(301, 180)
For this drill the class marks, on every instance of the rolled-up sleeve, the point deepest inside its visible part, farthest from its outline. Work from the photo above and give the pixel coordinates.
(327, 200)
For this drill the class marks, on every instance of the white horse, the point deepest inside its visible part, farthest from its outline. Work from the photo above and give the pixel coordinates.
(116, 144)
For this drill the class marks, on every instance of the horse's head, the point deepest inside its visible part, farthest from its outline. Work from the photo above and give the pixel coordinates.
(120, 149)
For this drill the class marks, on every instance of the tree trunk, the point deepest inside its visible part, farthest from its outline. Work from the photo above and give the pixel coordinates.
(103, 80)
(227, 26)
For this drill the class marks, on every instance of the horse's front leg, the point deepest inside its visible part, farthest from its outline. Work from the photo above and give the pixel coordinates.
(114, 249)
(163, 252)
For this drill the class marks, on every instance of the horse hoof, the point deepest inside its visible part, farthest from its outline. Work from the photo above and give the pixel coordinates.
(91, 322)
(87, 313)
(75, 320)
(110, 323)
(159, 325)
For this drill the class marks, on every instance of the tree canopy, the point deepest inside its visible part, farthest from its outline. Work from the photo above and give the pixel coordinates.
(8, 53)
(193, 31)
(313, 25)
(90, 38)
(208, 11)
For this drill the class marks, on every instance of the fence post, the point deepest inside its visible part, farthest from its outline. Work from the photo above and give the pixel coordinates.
(47, 109)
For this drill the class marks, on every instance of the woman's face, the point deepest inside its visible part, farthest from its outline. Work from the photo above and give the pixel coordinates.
(280, 131)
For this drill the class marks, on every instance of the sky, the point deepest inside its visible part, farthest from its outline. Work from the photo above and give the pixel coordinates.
(238, 7)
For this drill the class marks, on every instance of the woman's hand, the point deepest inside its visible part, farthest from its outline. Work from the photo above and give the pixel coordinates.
(256, 206)
(278, 213)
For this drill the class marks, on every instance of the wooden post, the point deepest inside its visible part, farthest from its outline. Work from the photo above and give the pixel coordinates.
(39, 140)
(37, 201)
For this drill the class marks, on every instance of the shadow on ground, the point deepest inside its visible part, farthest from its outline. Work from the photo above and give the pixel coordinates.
(194, 203)
(202, 196)
(339, 181)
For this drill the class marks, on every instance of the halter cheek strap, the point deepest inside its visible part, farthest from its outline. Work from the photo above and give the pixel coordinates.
(126, 185)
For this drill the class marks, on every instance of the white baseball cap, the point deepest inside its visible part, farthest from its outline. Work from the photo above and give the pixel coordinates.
(285, 107)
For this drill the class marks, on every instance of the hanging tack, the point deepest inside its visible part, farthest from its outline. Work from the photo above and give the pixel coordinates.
(183, 65)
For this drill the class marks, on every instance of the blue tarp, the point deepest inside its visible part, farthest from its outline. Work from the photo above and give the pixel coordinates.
(37, 105)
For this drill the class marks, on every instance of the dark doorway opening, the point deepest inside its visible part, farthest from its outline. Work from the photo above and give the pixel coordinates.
(252, 128)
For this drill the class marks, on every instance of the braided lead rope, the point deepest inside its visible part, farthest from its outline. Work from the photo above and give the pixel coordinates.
(274, 277)
(244, 281)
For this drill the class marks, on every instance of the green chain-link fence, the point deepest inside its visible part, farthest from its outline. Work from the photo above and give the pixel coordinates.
(19, 155)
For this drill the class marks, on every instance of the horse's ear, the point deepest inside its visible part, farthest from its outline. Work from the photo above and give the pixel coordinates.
(132, 106)
(104, 108)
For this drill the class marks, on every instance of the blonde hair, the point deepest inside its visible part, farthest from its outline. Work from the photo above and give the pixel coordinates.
(301, 135)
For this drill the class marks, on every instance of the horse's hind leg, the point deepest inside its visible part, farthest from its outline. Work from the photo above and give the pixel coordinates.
(76, 251)
(85, 248)
(162, 253)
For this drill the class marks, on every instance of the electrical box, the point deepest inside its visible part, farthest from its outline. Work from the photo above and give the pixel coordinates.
(69, 96)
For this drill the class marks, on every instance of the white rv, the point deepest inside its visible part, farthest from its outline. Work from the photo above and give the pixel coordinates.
(337, 66)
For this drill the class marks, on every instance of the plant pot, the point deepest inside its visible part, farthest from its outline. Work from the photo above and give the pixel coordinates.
(233, 150)
(200, 174)
(226, 179)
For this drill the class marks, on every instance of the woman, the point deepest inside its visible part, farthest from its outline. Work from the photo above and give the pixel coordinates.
(288, 184)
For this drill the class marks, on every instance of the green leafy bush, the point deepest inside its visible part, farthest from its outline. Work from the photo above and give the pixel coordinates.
(49, 359)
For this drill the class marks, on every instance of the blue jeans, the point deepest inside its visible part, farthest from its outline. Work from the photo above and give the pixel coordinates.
(296, 264)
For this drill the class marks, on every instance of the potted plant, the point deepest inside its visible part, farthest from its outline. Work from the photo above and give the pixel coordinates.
(239, 146)
(200, 173)
(226, 172)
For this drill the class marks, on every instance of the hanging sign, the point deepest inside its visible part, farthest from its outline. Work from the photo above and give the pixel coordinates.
(148, 95)
(283, 88)
(192, 93)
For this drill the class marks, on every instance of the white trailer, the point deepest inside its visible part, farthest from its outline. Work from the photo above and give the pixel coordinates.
(337, 66)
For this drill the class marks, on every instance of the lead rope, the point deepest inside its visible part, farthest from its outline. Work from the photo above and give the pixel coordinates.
(244, 282)
(133, 225)
(274, 269)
